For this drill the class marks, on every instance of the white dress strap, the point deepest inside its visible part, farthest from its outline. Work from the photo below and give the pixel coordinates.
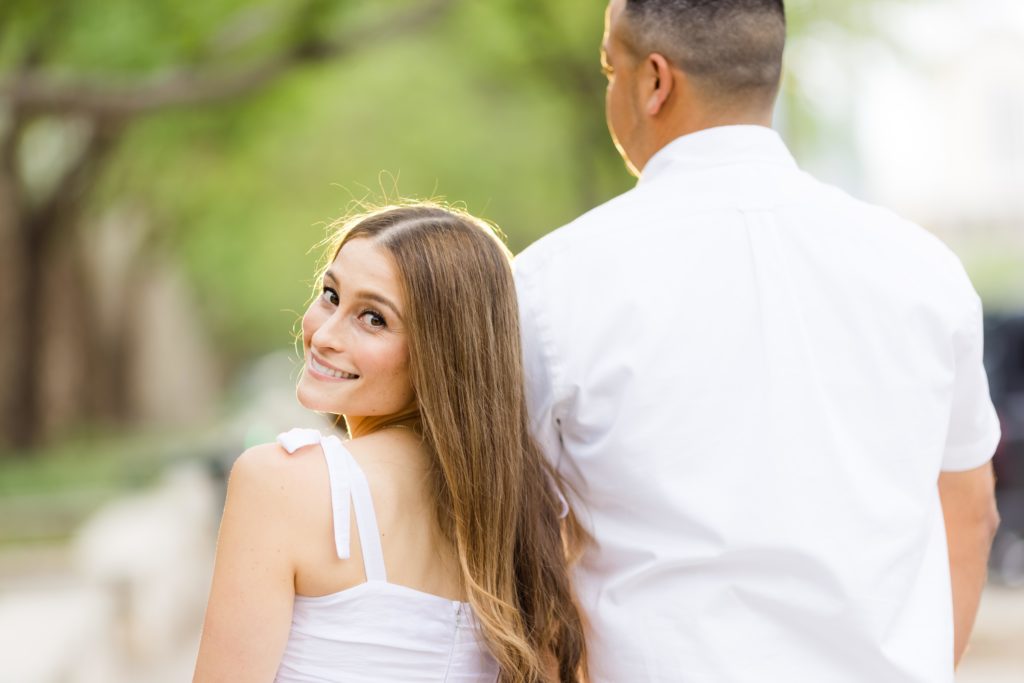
(338, 473)
(362, 501)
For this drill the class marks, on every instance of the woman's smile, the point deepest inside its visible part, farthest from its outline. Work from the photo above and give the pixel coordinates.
(321, 370)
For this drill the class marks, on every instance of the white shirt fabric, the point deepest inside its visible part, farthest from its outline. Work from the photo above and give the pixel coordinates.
(377, 631)
(753, 381)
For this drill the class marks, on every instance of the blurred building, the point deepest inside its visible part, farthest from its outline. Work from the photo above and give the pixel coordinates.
(941, 127)
(923, 113)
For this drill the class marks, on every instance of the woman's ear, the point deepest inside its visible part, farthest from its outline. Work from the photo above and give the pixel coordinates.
(661, 82)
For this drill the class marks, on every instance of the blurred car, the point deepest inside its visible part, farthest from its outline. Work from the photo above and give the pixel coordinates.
(1004, 362)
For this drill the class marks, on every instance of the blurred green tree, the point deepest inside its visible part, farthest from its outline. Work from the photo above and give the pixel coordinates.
(557, 44)
(74, 77)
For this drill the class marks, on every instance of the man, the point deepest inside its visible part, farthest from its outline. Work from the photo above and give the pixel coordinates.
(767, 395)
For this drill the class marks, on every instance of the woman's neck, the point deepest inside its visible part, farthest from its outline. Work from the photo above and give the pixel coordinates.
(361, 426)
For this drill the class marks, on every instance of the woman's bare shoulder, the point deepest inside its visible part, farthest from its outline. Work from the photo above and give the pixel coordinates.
(271, 473)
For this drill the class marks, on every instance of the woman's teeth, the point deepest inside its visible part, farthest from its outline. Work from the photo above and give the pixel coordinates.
(330, 372)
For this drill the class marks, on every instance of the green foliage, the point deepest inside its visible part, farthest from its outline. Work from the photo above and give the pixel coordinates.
(997, 274)
(97, 462)
(109, 37)
(46, 497)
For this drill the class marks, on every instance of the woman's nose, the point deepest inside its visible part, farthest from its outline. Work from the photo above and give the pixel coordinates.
(332, 334)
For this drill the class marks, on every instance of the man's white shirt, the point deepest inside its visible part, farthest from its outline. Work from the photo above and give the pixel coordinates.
(752, 381)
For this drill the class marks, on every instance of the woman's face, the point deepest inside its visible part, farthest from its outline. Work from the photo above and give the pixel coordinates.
(354, 338)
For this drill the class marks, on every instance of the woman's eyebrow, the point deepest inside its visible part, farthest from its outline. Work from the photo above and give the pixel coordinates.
(379, 298)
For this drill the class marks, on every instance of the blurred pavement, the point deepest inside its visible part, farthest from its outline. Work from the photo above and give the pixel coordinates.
(996, 651)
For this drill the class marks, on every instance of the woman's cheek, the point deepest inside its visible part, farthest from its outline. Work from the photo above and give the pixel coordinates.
(309, 325)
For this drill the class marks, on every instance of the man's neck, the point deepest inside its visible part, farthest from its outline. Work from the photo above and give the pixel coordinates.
(681, 126)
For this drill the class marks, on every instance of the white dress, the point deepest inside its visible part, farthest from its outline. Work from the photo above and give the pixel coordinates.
(376, 631)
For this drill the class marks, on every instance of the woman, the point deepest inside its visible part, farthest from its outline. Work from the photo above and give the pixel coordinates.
(453, 567)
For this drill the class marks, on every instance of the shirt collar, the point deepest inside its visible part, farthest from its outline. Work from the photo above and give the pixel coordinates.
(716, 147)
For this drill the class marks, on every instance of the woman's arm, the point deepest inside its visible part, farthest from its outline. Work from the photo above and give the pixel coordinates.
(249, 613)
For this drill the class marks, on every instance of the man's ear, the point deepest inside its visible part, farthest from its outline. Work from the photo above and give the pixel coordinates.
(661, 81)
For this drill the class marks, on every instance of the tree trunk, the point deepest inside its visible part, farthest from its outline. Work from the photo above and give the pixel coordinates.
(14, 300)
(21, 273)
(29, 235)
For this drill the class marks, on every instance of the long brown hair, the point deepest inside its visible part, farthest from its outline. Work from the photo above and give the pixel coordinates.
(492, 486)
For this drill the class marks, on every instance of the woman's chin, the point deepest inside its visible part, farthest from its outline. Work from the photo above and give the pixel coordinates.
(313, 400)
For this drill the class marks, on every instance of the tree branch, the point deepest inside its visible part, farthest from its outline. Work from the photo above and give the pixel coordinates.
(62, 204)
(36, 93)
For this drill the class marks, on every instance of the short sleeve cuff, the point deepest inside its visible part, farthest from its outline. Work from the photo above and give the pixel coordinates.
(963, 457)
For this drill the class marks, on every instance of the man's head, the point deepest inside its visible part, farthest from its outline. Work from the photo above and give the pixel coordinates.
(678, 66)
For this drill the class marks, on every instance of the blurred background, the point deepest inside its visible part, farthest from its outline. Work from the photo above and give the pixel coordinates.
(167, 167)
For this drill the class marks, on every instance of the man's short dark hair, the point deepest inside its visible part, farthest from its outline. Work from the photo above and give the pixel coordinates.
(731, 48)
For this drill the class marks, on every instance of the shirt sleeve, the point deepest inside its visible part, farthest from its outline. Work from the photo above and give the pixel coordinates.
(540, 385)
(973, 432)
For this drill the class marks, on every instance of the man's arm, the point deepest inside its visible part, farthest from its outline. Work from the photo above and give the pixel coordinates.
(540, 386)
(968, 506)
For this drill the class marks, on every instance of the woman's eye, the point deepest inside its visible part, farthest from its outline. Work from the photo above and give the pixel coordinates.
(373, 319)
(330, 296)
